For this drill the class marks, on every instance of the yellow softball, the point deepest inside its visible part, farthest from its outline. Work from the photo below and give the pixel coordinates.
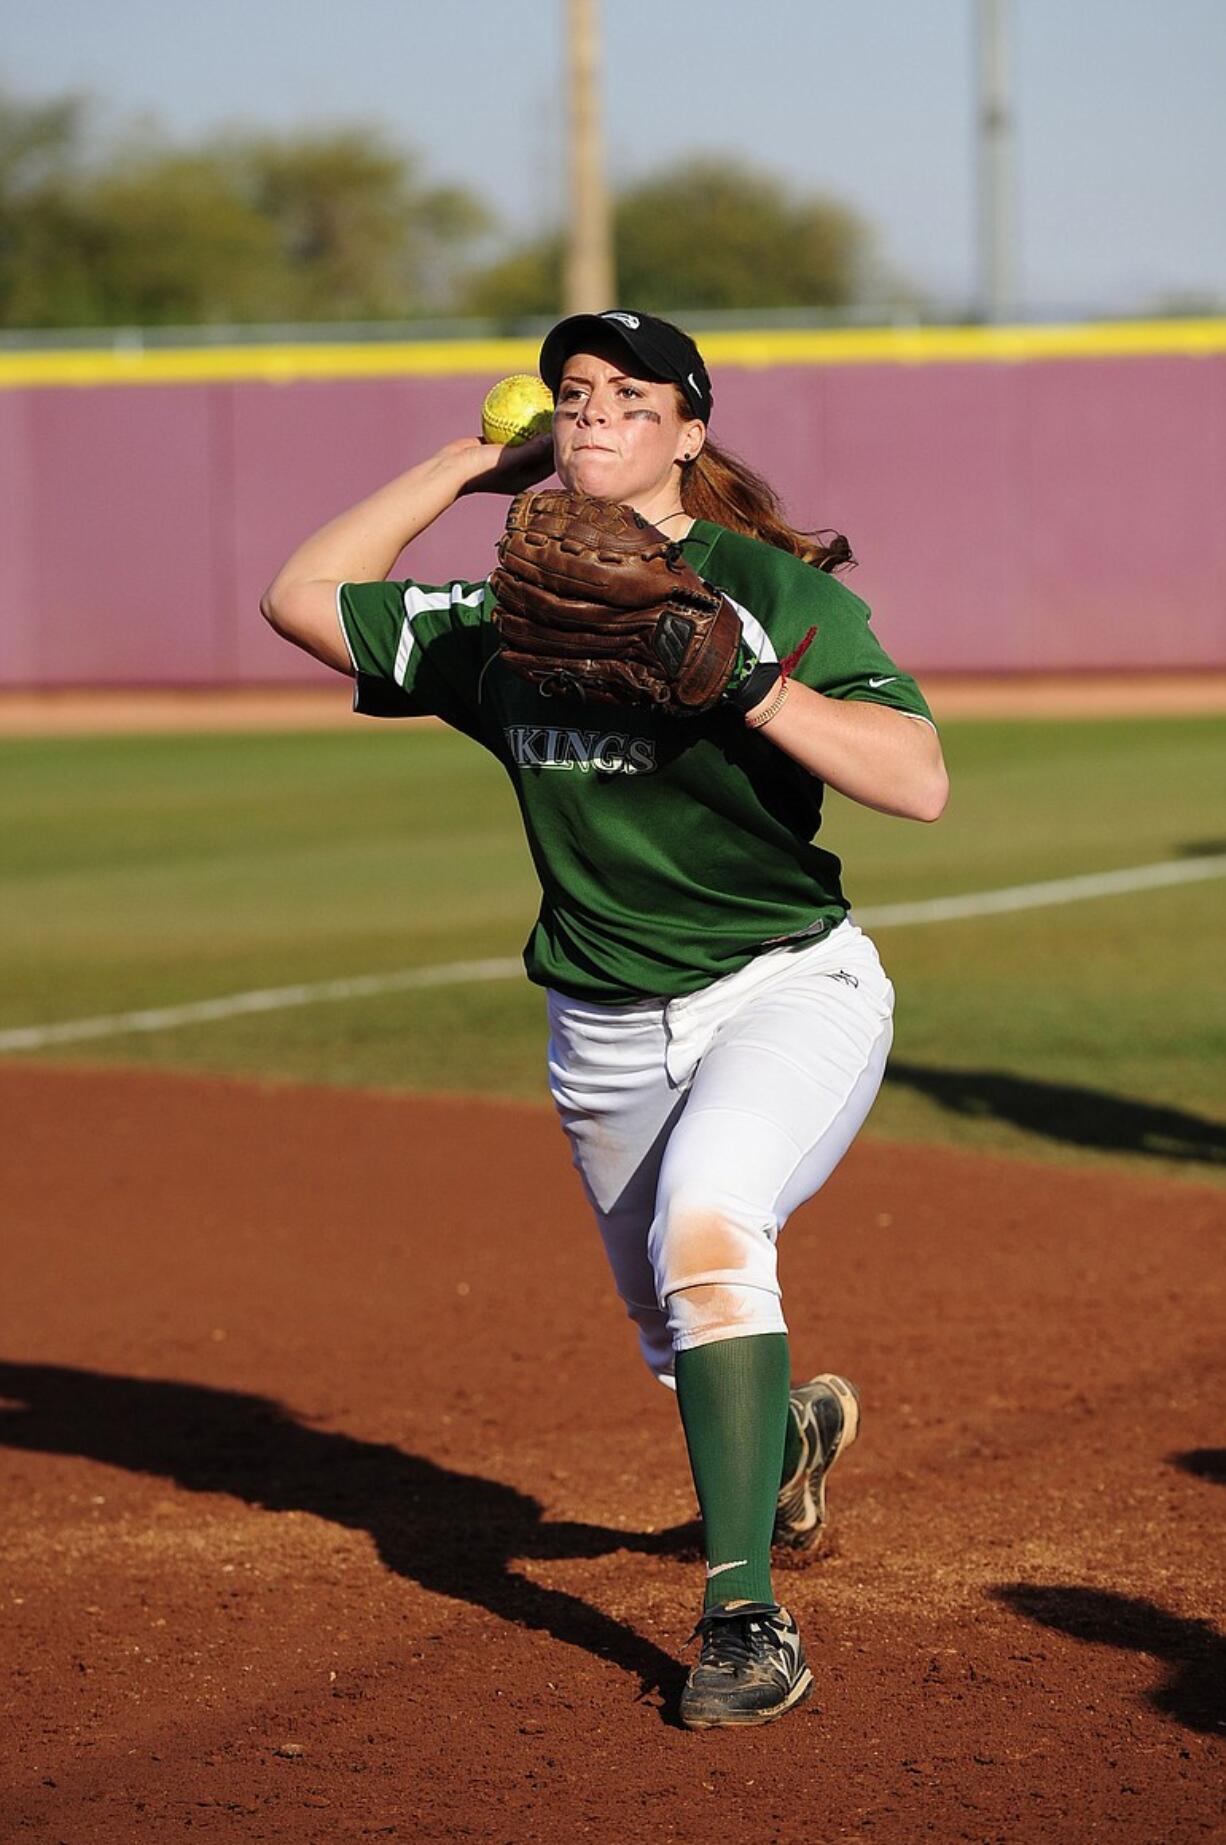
(517, 409)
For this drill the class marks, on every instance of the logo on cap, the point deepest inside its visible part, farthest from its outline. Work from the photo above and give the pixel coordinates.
(627, 320)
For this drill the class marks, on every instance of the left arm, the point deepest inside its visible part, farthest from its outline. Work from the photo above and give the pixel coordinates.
(874, 754)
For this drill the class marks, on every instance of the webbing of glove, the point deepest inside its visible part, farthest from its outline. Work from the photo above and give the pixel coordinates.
(593, 602)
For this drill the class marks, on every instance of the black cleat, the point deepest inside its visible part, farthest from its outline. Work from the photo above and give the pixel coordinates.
(751, 1667)
(827, 1412)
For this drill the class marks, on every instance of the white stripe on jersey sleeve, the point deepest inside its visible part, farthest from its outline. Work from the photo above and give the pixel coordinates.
(403, 650)
(753, 630)
(417, 602)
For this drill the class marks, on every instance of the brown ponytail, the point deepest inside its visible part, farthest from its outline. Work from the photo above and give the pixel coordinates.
(717, 485)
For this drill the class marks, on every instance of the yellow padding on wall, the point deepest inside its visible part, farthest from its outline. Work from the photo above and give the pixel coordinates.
(286, 364)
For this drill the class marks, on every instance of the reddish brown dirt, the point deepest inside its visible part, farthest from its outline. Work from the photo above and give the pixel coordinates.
(329, 706)
(337, 1506)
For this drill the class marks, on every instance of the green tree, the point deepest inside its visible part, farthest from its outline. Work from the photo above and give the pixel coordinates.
(45, 245)
(362, 236)
(708, 232)
(713, 233)
(526, 281)
(333, 225)
(175, 243)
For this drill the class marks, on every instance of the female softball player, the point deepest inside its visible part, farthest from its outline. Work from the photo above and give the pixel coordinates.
(718, 1024)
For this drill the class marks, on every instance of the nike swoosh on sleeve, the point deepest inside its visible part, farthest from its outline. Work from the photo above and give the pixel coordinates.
(875, 685)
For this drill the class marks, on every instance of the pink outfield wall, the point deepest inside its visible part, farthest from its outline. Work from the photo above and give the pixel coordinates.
(1065, 514)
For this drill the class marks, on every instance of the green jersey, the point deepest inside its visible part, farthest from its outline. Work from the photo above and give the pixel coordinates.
(670, 851)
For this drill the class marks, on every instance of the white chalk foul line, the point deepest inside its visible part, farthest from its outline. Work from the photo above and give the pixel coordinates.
(268, 999)
(1040, 896)
(460, 973)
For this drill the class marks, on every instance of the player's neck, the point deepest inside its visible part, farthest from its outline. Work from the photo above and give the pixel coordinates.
(663, 510)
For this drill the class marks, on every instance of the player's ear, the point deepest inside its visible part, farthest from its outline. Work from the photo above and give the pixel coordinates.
(690, 441)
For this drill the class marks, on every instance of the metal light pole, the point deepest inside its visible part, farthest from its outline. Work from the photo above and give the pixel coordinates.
(588, 280)
(997, 288)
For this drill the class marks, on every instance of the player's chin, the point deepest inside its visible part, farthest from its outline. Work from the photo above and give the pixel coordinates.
(595, 472)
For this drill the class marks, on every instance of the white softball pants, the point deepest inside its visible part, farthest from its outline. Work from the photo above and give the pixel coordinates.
(699, 1124)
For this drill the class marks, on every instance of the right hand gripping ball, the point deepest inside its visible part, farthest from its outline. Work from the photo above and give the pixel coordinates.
(517, 409)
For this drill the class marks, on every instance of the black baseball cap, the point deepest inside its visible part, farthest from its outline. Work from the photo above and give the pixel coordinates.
(662, 349)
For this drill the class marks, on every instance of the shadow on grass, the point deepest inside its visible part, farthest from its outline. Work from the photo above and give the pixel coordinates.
(454, 1533)
(1067, 1113)
(1194, 1690)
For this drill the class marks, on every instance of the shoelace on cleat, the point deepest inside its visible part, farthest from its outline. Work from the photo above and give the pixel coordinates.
(734, 1641)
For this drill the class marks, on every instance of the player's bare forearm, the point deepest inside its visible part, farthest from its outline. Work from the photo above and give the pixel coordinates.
(362, 544)
(871, 753)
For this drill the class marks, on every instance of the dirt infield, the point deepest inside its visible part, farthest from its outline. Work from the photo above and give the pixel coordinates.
(338, 1507)
(329, 707)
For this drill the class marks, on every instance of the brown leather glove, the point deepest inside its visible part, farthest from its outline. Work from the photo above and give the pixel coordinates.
(594, 603)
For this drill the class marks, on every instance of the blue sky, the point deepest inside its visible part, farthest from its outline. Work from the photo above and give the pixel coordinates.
(1121, 128)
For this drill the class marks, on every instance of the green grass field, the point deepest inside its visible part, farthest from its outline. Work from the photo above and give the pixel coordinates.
(149, 871)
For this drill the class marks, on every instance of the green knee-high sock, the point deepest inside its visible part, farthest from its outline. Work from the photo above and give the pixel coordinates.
(733, 1397)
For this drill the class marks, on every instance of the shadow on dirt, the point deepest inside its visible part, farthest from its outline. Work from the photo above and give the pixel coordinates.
(1205, 1463)
(1194, 1691)
(1075, 1116)
(453, 1533)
